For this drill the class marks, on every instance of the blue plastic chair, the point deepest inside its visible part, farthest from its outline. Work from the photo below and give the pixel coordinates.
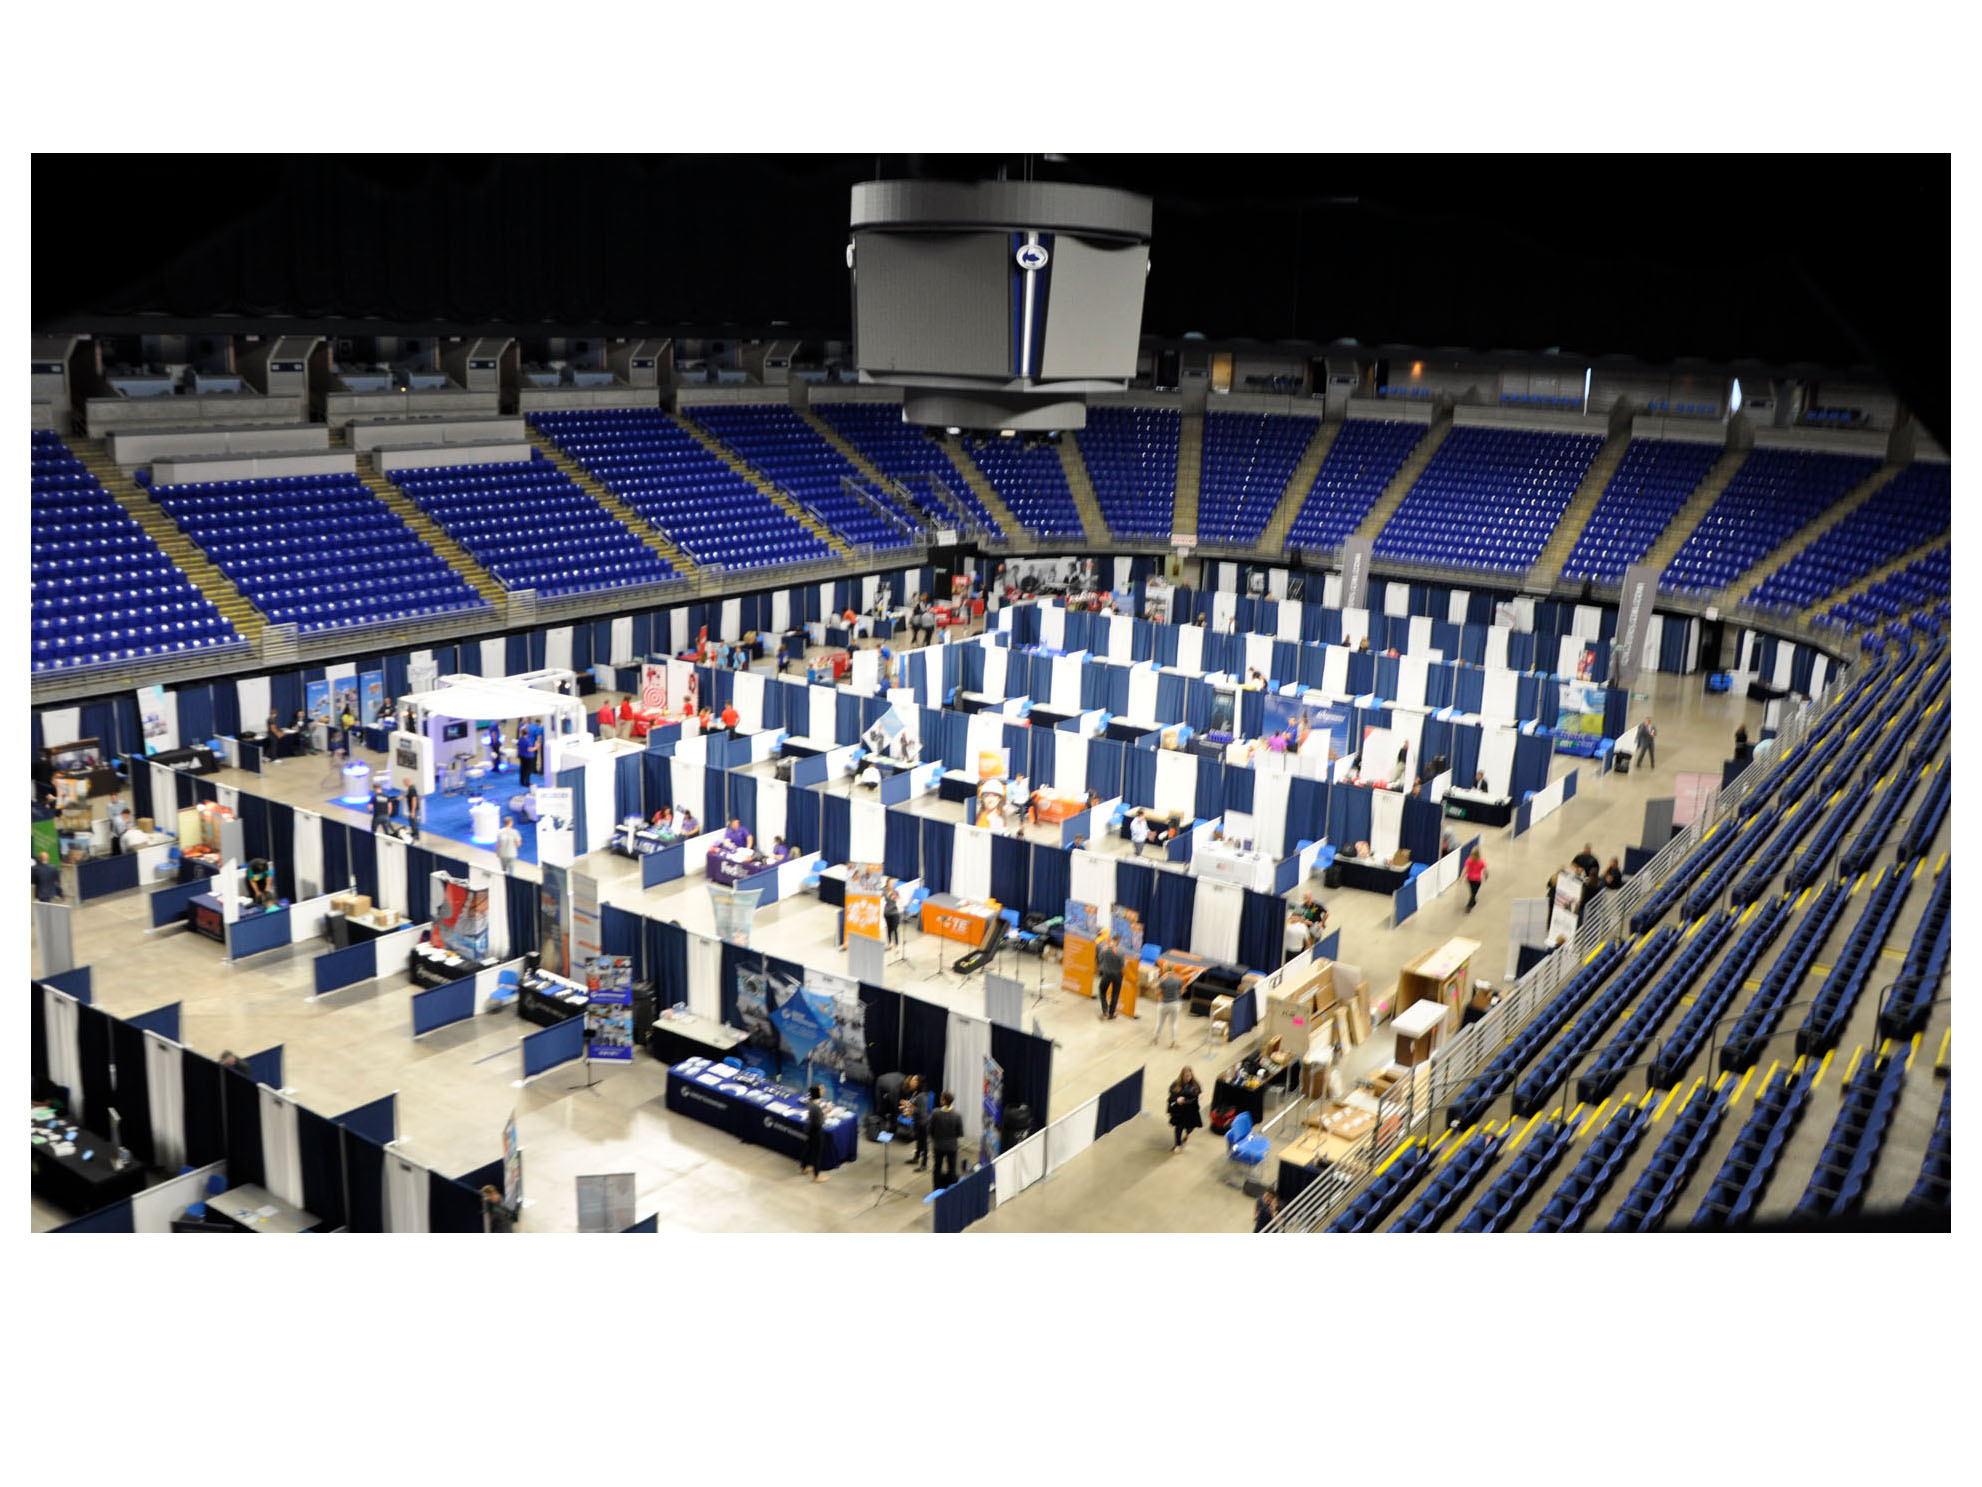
(1242, 1146)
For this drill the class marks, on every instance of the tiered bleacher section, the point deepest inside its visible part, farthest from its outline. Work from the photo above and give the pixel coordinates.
(778, 443)
(1131, 456)
(1029, 479)
(1489, 499)
(1248, 460)
(1364, 458)
(320, 552)
(904, 452)
(1911, 509)
(1651, 484)
(1919, 583)
(1774, 494)
(661, 471)
(532, 528)
(102, 590)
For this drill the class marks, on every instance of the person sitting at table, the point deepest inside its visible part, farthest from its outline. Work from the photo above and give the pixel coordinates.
(1480, 781)
(664, 820)
(1313, 912)
(686, 824)
(736, 836)
(780, 850)
(1613, 876)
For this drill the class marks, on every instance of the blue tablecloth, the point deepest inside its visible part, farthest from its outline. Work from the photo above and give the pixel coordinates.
(751, 1108)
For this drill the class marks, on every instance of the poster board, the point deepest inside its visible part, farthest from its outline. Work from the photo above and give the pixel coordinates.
(158, 719)
(1078, 935)
(512, 1166)
(371, 696)
(609, 1018)
(554, 921)
(605, 1203)
(865, 913)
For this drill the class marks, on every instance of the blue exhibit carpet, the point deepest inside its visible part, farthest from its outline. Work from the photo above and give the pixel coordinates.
(447, 816)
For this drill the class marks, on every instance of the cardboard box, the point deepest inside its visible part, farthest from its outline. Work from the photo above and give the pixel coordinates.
(144, 824)
(360, 905)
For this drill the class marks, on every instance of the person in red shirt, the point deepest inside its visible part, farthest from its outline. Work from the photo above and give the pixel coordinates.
(729, 715)
(606, 719)
(626, 717)
(1476, 871)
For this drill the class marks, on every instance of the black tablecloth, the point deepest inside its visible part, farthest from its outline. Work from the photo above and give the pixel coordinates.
(544, 1009)
(426, 972)
(671, 1043)
(346, 931)
(1371, 877)
(738, 1107)
(1481, 812)
(1295, 1176)
(78, 1187)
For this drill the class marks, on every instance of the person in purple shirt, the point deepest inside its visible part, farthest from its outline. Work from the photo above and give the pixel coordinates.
(736, 836)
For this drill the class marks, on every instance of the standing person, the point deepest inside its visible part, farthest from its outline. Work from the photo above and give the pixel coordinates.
(945, 1128)
(1648, 737)
(626, 716)
(608, 720)
(381, 807)
(1586, 861)
(1476, 872)
(509, 841)
(1294, 939)
(1743, 750)
(345, 723)
(529, 739)
(1264, 1208)
(1170, 992)
(1184, 1114)
(413, 809)
(891, 913)
(1108, 975)
(815, 1133)
(919, 1104)
(47, 878)
(1138, 831)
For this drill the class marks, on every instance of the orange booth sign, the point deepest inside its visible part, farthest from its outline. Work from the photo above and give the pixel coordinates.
(951, 919)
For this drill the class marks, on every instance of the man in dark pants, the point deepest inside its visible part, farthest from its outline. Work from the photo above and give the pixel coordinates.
(888, 1096)
(1107, 975)
(918, 1110)
(1648, 743)
(945, 1127)
(47, 878)
(815, 1133)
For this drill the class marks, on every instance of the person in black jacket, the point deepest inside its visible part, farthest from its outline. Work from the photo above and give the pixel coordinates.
(945, 1128)
(47, 878)
(815, 1133)
(1107, 975)
(1585, 861)
(1184, 1114)
(918, 1111)
(1613, 876)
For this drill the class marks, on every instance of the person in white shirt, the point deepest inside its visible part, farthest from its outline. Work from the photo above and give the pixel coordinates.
(509, 841)
(1138, 831)
(1296, 938)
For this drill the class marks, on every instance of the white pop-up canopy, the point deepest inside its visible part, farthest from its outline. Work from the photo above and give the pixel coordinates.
(532, 695)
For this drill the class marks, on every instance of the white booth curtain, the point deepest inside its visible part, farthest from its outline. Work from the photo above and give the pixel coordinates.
(781, 610)
(1190, 650)
(1420, 637)
(165, 1096)
(1053, 627)
(1496, 647)
(406, 1191)
(771, 801)
(622, 640)
(996, 658)
(1142, 694)
(1176, 782)
(749, 695)
(498, 886)
(1070, 763)
(1215, 921)
(1270, 788)
(1335, 671)
(600, 796)
(1259, 655)
(493, 658)
(59, 725)
(1497, 758)
(821, 714)
(1121, 638)
(967, 1046)
(868, 831)
(1355, 627)
(705, 975)
(677, 632)
(557, 648)
(1497, 699)
(1091, 878)
(970, 863)
(1065, 693)
(1070, 1135)
(282, 1162)
(253, 695)
(1386, 824)
(65, 1059)
(306, 856)
(685, 780)
(392, 873)
(732, 621)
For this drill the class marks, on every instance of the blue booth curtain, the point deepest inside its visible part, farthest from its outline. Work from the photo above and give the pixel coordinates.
(320, 1158)
(1348, 815)
(665, 960)
(938, 840)
(1262, 931)
(1135, 887)
(1009, 860)
(195, 713)
(835, 829)
(364, 1171)
(419, 871)
(364, 861)
(1104, 767)
(925, 1039)
(627, 786)
(743, 802)
(1039, 768)
(336, 855)
(521, 898)
(574, 781)
(242, 1104)
(1173, 904)
(254, 828)
(1028, 1065)
(1052, 872)
(903, 854)
(657, 783)
(282, 849)
(1210, 801)
(1138, 776)
(802, 813)
(619, 931)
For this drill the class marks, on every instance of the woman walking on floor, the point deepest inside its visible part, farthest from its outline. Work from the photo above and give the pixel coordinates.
(1476, 871)
(1184, 1115)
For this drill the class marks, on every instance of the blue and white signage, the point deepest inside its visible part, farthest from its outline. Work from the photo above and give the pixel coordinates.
(1032, 257)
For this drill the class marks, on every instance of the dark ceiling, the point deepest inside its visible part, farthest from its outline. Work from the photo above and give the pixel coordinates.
(1834, 261)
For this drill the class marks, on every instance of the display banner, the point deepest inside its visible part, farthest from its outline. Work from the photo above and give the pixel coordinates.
(1568, 905)
(1127, 929)
(371, 690)
(422, 672)
(554, 832)
(158, 717)
(1157, 597)
(512, 1166)
(990, 1143)
(804, 1020)
(609, 1024)
(460, 916)
(1078, 935)
(605, 1203)
(865, 914)
(1579, 706)
(654, 685)
(316, 701)
(1634, 619)
(733, 909)
(1299, 721)
(412, 761)
(1356, 555)
(554, 920)
(586, 947)
(343, 694)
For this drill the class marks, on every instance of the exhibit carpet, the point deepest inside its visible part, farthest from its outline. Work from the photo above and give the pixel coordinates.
(447, 816)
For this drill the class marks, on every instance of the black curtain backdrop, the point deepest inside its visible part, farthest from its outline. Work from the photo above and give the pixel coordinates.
(320, 1154)
(38, 1034)
(364, 1170)
(206, 1117)
(522, 909)
(241, 1098)
(925, 1036)
(452, 1208)
(1028, 1065)
(93, 1039)
(884, 1028)
(127, 1052)
(282, 850)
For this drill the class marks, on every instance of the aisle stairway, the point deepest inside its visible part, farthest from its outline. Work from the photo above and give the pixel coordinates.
(1190, 472)
(1746, 584)
(1548, 567)
(769, 489)
(233, 605)
(1298, 485)
(1878, 576)
(451, 552)
(1406, 476)
(869, 472)
(632, 520)
(968, 472)
(1689, 516)
(1081, 487)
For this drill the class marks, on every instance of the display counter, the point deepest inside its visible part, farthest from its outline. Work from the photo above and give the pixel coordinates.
(546, 1000)
(755, 1110)
(1367, 875)
(81, 1175)
(966, 921)
(677, 1036)
(727, 865)
(431, 966)
(256, 1210)
(1224, 863)
(1478, 807)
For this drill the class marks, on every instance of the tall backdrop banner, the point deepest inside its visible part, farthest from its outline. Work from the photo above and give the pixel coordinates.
(158, 720)
(554, 920)
(586, 943)
(555, 842)
(1634, 618)
(1356, 555)
(371, 687)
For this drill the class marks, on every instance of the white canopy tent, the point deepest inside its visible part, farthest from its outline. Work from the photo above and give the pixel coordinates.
(533, 694)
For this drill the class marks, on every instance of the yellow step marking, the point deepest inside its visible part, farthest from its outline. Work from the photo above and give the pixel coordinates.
(1455, 1146)
(1648, 1098)
(1384, 1165)
(1589, 1124)
(1941, 1058)
(1912, 1049)
(1822, 1069)
(1857, 1054)
(1524, 1131)
(1659, 1114)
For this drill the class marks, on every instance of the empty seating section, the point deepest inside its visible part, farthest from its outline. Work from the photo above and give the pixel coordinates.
(1866, 845)
(1540, 1153)
(1490, 498)
(1774, 494)
(1830, 1009)
(1248, 460)
(779, 444)
(1912, 999)
(665, 474)
(1851, 1152)
(531, 527)
(1745, 1173)
(1694, 1029)
(1552, 1069)
(1030, 480)
(1750, 1035)
(1478, 1097)
(1653, 480)
(1910, 509)
(102, 589)
(1364, 458)
(1672, 1166)
(1385, 1191)
(1920, 582)
(1569, 1207)
(1926, 823)
(1614, 1061)
(1458, 1174)
(1934, 1188)
(320, 552)
(905, 452)
(1131, 458)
